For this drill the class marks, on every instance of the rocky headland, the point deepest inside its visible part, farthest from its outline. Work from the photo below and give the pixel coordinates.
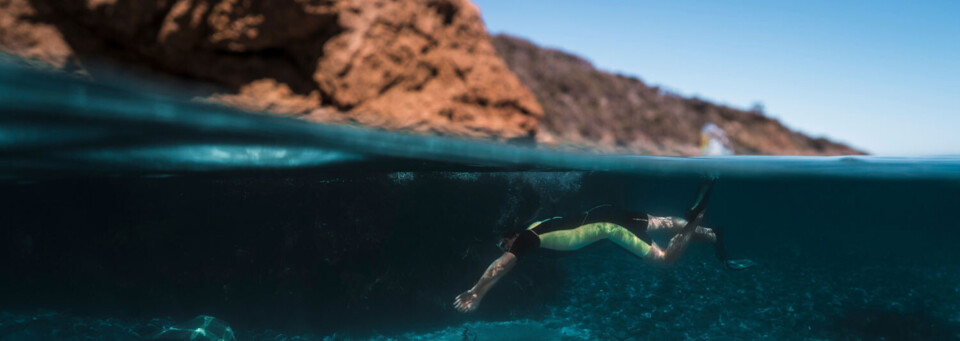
(418, 66)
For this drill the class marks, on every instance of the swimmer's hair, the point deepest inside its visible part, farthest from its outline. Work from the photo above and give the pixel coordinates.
(510, 234)
(504, 242)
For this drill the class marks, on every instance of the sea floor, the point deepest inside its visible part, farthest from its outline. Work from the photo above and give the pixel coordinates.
(611, 296)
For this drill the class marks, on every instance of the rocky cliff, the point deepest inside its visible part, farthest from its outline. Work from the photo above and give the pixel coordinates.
(588, 107)
(424, 66)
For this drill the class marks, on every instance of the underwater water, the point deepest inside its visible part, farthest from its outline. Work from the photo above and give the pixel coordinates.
(133, 216)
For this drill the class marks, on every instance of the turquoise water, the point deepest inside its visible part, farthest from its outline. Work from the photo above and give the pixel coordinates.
(130, 215)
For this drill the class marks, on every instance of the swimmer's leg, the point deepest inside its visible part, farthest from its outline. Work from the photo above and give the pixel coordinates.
(574, 239)
(673, 225)
(677, 244)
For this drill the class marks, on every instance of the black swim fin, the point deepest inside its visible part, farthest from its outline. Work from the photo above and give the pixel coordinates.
(693, 223)
(703, 197)
(721, 249)
(739, 264)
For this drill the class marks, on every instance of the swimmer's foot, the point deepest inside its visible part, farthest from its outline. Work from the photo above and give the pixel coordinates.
(703, 197)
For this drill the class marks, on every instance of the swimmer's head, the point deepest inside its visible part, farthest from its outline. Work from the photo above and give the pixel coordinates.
(506, 240)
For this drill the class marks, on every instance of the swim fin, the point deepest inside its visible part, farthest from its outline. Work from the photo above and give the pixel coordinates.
(693, 223)
(721, 250)
(740, 264)
(703, 197)
(695, 212)
(719, 247)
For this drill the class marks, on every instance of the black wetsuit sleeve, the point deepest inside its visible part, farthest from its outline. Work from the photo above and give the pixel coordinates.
(527, 240)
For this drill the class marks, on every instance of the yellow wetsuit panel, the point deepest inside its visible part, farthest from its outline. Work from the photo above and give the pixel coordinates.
(574, 239)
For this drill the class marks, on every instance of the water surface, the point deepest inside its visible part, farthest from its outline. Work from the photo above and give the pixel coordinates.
(129, 213)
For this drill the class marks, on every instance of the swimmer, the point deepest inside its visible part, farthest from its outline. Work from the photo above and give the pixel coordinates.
(626, 229)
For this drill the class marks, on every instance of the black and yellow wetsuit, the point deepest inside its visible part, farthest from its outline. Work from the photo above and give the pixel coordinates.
(625, 228)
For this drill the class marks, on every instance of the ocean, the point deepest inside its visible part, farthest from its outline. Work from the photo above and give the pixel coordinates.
(132, 215)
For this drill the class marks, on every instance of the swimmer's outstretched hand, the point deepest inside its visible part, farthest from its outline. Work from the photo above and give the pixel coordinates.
(467, 301)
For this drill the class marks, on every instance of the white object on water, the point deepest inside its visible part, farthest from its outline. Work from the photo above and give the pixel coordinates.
(714, 141)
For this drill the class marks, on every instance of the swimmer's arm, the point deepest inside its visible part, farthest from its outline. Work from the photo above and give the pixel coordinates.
(470, 300)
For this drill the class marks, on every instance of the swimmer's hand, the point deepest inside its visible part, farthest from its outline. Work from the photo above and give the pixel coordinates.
(470, 299)
(467, 301)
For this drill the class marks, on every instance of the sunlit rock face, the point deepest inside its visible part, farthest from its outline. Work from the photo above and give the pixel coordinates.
(423, 66)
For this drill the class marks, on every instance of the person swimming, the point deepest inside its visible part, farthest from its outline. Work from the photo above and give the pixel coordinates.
(625, 228)
(714, 141)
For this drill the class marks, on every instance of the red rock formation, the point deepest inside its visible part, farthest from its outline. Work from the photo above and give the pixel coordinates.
(415, 65)
(425, 66)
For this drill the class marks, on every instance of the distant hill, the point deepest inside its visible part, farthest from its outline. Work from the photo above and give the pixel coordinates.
(584, 106)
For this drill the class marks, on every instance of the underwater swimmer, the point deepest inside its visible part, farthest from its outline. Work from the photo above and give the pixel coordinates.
(624, 228)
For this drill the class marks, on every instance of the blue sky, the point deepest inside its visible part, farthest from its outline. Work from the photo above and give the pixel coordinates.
(883, 76)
